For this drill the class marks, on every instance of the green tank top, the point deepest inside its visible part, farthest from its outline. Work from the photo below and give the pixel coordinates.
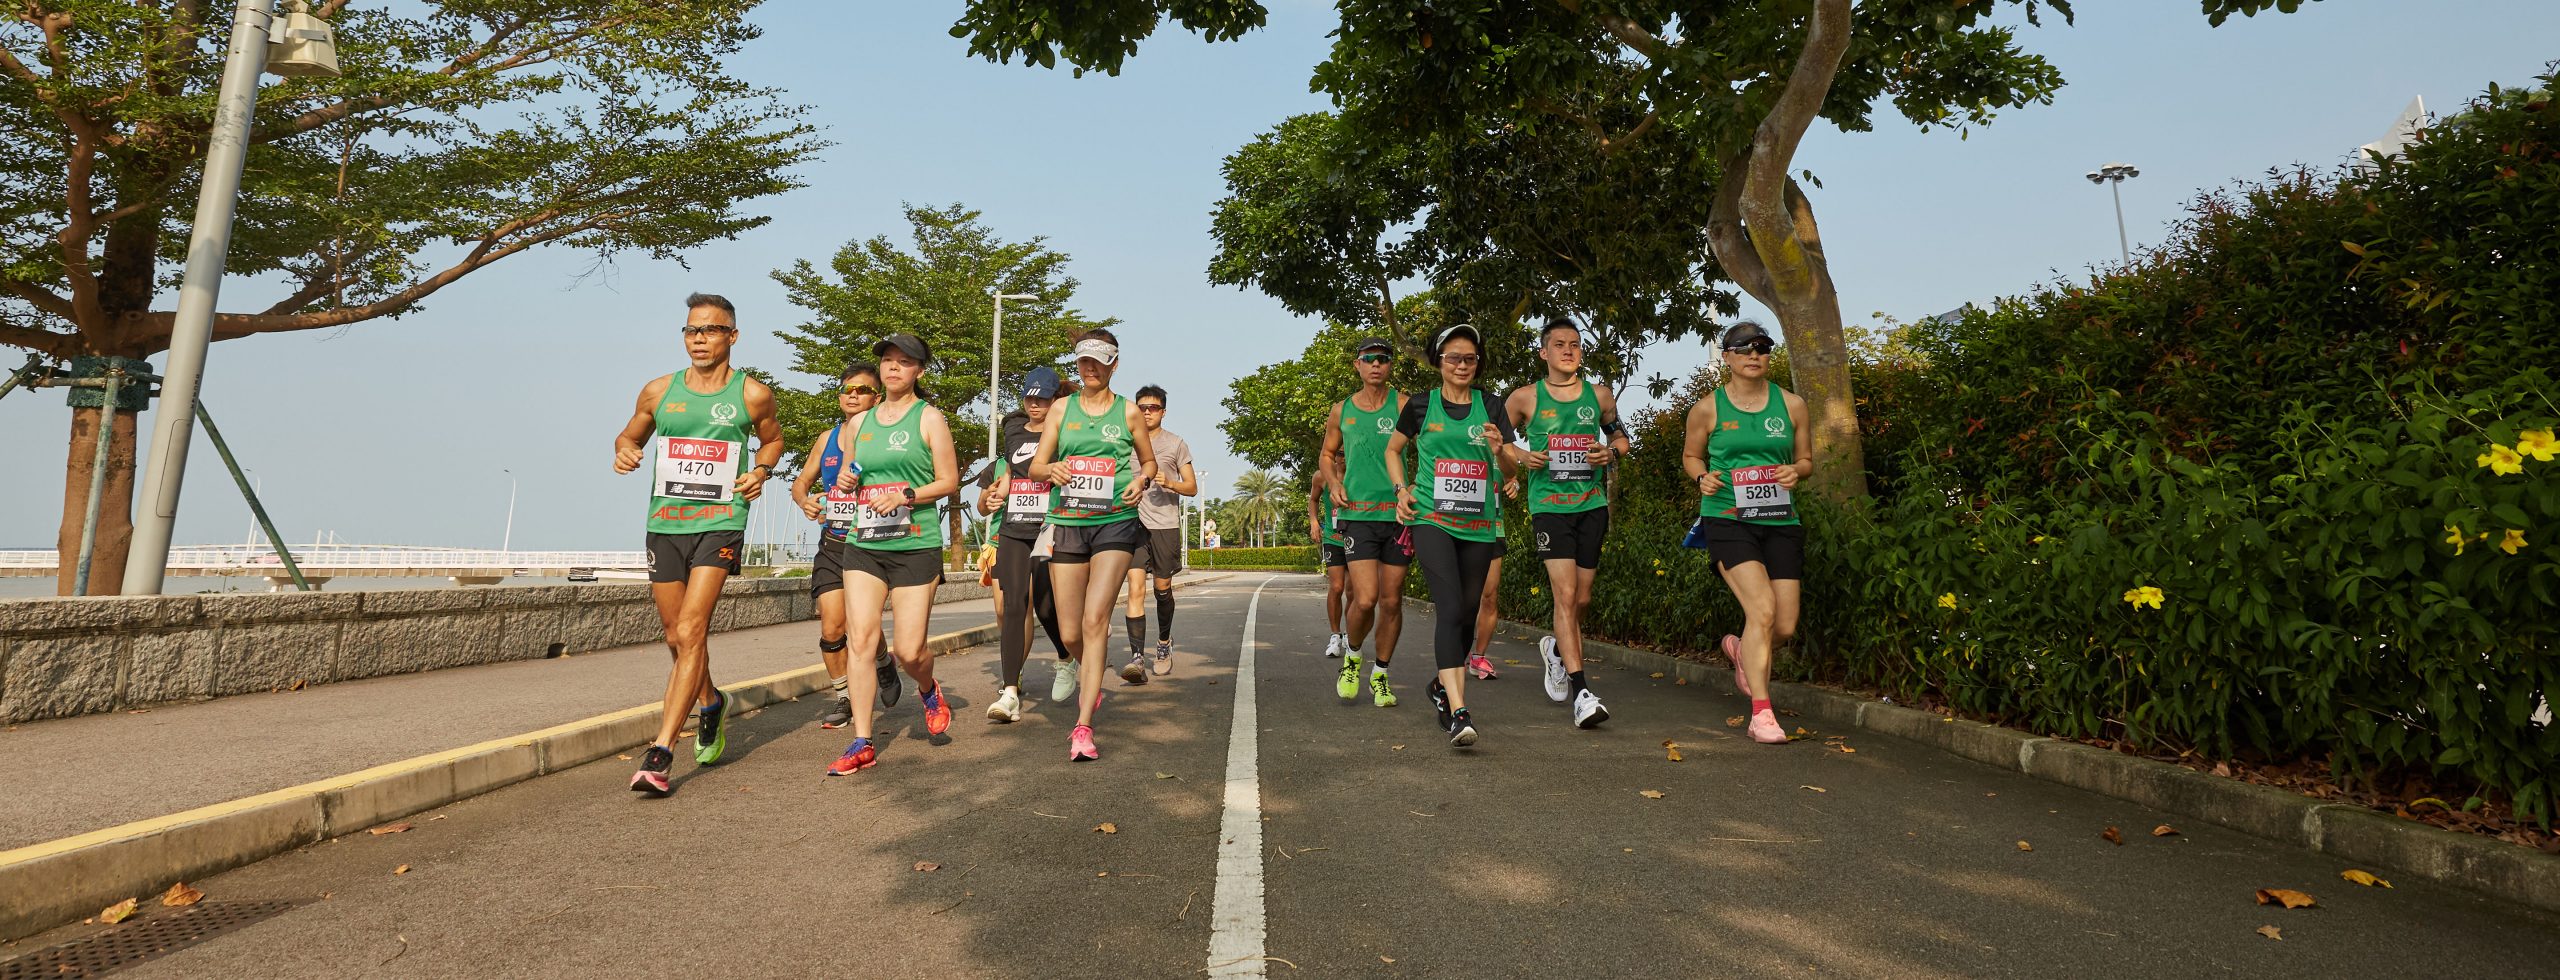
(1454, 485)
(701, 447)
(893, 455)
(1744, 447)
(1567, 431)
(1101, 459)
(1364, 460)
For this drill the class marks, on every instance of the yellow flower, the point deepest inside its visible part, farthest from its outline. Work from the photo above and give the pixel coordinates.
(2038, 539)
(2144, 595)
(1947, 601)
(2514, 542)
(1660, 572)
(2453, 536)
(2502, 460)
(1533, 590)
(2538, 444)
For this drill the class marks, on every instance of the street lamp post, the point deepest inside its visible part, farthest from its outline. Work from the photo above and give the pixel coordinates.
(995, 369)
(2113, 175)
(508, 543)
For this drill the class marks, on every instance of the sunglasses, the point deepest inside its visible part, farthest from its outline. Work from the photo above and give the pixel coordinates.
(865, 391)
(1376, 359)
(1761, 347)
(1150, 408)
(692, 330)
(1461, 360)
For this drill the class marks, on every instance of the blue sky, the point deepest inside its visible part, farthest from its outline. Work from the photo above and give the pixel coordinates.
(397, 431)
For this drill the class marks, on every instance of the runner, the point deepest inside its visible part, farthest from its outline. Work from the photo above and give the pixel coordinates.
(1573, 432)
(902, 461)
(1099, 467)
(1750, 441)
(1023, 590)
(1160, 509)
(858, 391)
(1322, 529)
(698, 419)
(1379, 551)
(1458, 437)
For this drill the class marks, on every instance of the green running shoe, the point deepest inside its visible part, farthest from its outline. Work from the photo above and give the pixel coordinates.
(1379, 693)
(711, 728)
(1348, 685)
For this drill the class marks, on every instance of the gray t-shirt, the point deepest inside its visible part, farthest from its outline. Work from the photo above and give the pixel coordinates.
(1159, 508)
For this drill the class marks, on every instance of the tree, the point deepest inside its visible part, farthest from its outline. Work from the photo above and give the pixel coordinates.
(459, 135)
(1262, 499)
(942, 291)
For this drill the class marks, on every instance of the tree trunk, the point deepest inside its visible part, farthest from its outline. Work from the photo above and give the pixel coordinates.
(1818, 353)
(115, 511)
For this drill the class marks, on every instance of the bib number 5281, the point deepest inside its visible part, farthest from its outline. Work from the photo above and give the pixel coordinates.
(1758, 497)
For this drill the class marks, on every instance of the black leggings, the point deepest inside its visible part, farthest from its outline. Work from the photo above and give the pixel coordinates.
(1020, 575)
(1455, 570)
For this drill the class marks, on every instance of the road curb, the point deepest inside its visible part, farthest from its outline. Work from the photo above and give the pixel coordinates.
(59, 881)
(2349, 833)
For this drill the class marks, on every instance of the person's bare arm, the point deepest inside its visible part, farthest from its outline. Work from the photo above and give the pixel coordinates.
(1329, 460)
(1395, 475)
(631, 446)
(1693, 446)
(1519, 405)
(1188, 484)
(1315, 493)
(1145, 450)
(1044, 466)
(811, 505)
(946, 458)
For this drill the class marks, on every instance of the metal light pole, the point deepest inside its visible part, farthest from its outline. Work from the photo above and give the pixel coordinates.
(303, 46)
(508, 543)
(995, 369)
(2113, 175)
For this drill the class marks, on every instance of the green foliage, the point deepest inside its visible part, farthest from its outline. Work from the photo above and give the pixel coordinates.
(1295, 558)
(1091, 35)
(942, 291)
(1275, 416)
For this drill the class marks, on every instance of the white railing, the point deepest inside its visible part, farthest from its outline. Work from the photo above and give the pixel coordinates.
(339, 556)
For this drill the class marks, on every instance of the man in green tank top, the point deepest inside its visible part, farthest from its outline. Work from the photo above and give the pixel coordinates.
(697, 421)
(1378, 550)
(1326, 532)
(1573, 432)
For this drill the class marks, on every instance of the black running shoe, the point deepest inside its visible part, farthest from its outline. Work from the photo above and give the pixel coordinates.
(1462, 730)
(1440, 704)
(652, 777)
(890, 685)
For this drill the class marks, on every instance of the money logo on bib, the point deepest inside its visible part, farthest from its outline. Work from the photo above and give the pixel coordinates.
(1758, 497)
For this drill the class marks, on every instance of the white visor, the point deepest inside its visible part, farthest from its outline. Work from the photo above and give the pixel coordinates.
(1100, 351)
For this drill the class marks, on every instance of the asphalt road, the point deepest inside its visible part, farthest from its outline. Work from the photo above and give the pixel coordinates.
(1386, 853)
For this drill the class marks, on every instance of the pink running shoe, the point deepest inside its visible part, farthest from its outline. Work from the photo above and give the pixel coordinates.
(1765, 728)
(1480, 667)
(1733, 654)
(1080, 747)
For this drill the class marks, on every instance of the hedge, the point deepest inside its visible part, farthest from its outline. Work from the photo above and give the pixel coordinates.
(1298, 558)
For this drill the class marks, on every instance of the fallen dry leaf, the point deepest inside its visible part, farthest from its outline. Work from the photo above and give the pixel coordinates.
(298, 684)
(1650, 794)
(396, 828)
(1391, 959)
(1398, 748)
(1675, 753)
(2024, 846)
(2286, 897)
(1106, 828)
(1816, 789)
(118, 912)
(180, 896)
(626, 757)
(927, 866)
(401, 870)
(1683, 682)
(1845, 750)
(2164, 830)
(1656, 675)
(2271, 932)
(435, 818)
(2113, 836)
(1164, 775)
(1673, 748)
(1735, 721)
(2364, 878)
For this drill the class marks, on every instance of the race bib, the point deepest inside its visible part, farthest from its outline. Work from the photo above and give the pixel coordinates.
(1089, 483)
(1758, 497)
(843, 509)
(1569, 456)
(1026, 501)
(698, 469)
(1459, 486)
(875, 526)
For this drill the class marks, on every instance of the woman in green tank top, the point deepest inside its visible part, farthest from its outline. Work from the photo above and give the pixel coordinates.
(1099, 466)
(1747, 448)
(902, 466)
(1459, 437)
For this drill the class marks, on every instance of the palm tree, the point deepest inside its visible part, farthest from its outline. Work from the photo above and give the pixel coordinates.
(1261, 498)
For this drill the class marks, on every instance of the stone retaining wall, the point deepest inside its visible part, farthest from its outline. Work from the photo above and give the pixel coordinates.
(61, 657)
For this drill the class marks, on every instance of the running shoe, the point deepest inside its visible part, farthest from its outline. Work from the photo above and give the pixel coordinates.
(1080, 747)
(856, 758)
(1347, 684)
(1164, 657)
(1062, 685)
(1136, 671)
(1733, 655)
(890, 685)
(1462, 730)
(839, 713)
(1379, 693)
(1765, 728)
(1333, 648)
(937, 715)
(652, 777)
(1559, 687)
(1588, 712)
(1440, 704)
(1481, 668)
(711, 729)
(1007, 709)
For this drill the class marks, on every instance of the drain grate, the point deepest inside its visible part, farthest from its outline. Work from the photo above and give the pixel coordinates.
(141, 940)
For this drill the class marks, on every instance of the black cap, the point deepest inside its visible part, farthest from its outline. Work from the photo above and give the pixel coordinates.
(1742, 334)
(1368, 344)
(1455, 330)
(907, 344)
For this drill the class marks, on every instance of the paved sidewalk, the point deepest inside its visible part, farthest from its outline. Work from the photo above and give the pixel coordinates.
(76, 775)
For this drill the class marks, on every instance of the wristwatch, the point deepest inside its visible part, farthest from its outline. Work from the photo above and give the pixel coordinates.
(767, 468)
(911, 494)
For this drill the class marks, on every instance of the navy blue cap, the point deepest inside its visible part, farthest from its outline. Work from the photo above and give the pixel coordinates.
(1042, 382)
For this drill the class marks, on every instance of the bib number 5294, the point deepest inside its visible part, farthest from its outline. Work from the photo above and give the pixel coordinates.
(1458, 486)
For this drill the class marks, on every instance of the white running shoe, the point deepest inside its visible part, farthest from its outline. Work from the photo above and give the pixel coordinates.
(1007, 709)
(1588, 712)
(1062, 685)
(1333, 649)
(1557, 689)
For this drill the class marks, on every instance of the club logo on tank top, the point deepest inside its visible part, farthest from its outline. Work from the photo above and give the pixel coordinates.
(1587, 414)
(1112, 431)
(1776, 425)
(898, 441)
(1386, 425)
(723, 412)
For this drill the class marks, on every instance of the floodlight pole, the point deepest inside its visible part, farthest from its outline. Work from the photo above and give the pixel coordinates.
(995, 372)
(2113, 175)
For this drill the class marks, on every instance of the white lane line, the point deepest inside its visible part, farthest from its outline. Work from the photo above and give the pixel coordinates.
(1235, 916)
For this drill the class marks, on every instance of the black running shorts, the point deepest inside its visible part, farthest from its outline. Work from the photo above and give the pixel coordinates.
(1385, 541)
(1571, 537)
(1777, 547)
(1162, 555)
(1076, 545)
(673, 557)
(900, 569)
(826, 570)
(1336, 556)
